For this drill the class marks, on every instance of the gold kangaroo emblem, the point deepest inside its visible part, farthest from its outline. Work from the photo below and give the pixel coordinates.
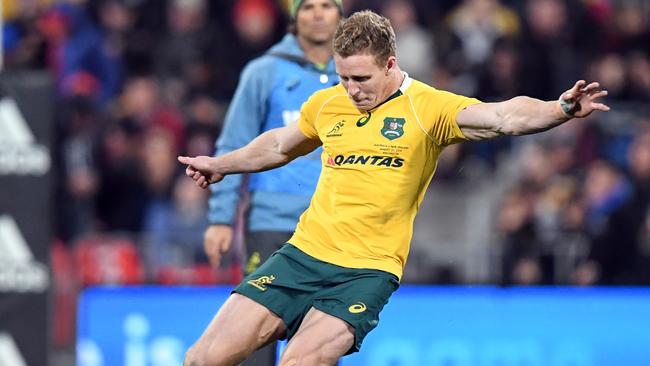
(260, 282)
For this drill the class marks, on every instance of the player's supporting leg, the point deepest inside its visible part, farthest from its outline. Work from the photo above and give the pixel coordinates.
(320, 341)
(260, 245)
(240, 327)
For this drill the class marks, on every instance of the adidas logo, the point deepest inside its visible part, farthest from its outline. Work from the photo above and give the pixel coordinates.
(19, 271)
(19, 152)
(9, 353)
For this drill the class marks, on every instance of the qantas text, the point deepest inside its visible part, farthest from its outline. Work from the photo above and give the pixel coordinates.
(378, 160)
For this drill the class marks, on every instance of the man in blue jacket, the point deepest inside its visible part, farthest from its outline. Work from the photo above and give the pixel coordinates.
(270, 93)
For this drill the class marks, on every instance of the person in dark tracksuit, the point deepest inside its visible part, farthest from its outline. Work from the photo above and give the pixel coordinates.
(271, 90)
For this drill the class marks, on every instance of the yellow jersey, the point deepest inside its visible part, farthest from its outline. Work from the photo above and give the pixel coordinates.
(376, 168)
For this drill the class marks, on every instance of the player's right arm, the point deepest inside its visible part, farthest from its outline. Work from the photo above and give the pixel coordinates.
(269, 150)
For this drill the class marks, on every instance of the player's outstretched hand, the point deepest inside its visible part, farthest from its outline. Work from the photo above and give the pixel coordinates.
(582, 99)
(201, 169)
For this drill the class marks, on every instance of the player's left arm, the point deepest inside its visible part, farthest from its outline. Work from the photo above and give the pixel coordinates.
(524, 115)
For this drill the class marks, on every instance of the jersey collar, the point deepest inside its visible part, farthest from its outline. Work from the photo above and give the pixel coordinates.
(402, 89)
(405, 83)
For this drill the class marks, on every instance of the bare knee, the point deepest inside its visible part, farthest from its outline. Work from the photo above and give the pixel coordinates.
(311, 352)
(212, 356)
(195, 357)
(191, 357)
(240, 327)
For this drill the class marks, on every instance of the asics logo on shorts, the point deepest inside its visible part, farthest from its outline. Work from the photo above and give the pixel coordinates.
(357, 308)
(260, 282)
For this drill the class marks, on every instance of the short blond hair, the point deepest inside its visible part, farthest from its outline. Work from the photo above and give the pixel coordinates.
(365, 32)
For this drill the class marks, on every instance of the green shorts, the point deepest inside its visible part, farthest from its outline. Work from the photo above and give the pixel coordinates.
(291, 282)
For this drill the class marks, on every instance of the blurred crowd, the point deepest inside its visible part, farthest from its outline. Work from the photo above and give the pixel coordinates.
(141, 81)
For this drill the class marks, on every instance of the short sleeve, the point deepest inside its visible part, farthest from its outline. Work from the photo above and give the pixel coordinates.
(307, 121)
(445, 128)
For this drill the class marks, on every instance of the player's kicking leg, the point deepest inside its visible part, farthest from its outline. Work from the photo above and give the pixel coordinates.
(240, 327)
(320, 341)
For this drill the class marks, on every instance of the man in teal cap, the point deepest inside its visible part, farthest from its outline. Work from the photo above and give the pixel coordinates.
(295, 5)
(271, 90)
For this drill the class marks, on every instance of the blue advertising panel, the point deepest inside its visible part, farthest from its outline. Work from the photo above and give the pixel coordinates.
(437, 326)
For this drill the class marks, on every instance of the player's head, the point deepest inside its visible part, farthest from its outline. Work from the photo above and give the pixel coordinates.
(315, 21)
(364, 52)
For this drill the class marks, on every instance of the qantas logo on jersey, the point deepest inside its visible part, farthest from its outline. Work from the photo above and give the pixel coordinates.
(379, 160)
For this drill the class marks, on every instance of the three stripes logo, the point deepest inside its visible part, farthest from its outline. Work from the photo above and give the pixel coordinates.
(9, 353)
(20, 154)
(19, 271)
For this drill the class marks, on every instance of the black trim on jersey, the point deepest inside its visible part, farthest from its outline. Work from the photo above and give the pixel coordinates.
(365, 119)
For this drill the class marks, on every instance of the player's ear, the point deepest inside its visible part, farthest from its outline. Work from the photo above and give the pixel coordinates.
(390, 64)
